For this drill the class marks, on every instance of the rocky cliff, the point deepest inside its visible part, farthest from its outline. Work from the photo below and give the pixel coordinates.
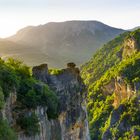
(71, 122)
(70, 90)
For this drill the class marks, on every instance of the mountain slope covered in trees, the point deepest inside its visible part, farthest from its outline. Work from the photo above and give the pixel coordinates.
(113, 80)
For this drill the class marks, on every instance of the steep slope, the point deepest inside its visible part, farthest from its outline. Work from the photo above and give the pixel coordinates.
(112, 77)
(71, 41)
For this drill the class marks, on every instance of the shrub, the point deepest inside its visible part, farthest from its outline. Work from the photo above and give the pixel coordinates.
(6, 133)
(8, 79)
(1, 98)
(30, 124)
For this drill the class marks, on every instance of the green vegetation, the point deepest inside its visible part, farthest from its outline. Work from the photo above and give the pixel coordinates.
(32, 93)
(1, 98)
(127, 126)
(136, 35)
(100, 71)
(6, 133)
(98, 114)
(15, 76)
(30, 124)
(55, 71)
(108, 56)
(8, 79)
(128, 68)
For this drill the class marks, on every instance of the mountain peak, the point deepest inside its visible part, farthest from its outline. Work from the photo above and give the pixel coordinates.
(69, 41)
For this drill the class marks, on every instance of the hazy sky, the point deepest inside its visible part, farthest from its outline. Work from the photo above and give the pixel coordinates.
(15, 14)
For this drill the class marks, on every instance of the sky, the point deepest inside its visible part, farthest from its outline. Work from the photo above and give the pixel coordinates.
(16, 14)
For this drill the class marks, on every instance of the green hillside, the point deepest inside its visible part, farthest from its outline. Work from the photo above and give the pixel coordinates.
(112, 77)
(17, 77)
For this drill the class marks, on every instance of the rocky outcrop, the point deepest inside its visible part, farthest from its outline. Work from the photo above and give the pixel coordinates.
(109, 88)
(69, 88)
(49, 129)
(122, 91)
(130, 46)
(7, 111)
(41, 72)
(71, 123)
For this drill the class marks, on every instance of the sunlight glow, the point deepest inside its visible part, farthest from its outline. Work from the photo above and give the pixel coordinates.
(16, 14)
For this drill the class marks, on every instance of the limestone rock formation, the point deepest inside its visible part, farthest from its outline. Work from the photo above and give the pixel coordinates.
(130, 47)
(71, 123)
(70, 90)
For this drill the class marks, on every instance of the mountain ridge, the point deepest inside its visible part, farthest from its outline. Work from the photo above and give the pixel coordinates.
(70, 41)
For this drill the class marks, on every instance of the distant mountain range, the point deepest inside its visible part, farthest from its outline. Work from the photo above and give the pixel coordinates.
(58, 43)
(135, 28)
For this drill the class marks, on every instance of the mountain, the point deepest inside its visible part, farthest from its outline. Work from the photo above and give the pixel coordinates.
(70, 41)
(133, 29)
(112, 77)
(19, 51)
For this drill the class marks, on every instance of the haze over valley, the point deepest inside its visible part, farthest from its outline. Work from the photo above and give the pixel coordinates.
(70, 41)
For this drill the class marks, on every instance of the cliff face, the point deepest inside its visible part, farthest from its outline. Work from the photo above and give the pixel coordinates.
(122, 91)
(71, 123)
(49, 129)
(70, 90)
(130, 46)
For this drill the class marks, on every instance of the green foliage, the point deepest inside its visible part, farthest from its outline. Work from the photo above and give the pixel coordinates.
(6, 133)
(1, 99)
(8, 78)
(129, 69)
(127, 126)
(31, 99)
(55, 71)
(15, 76)
(21, 69)
(100, 71)
(99, 115)
(108, 56)
(26, 90)
(33, 94)
(136, 34)
(30, 124)
(50, 100)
